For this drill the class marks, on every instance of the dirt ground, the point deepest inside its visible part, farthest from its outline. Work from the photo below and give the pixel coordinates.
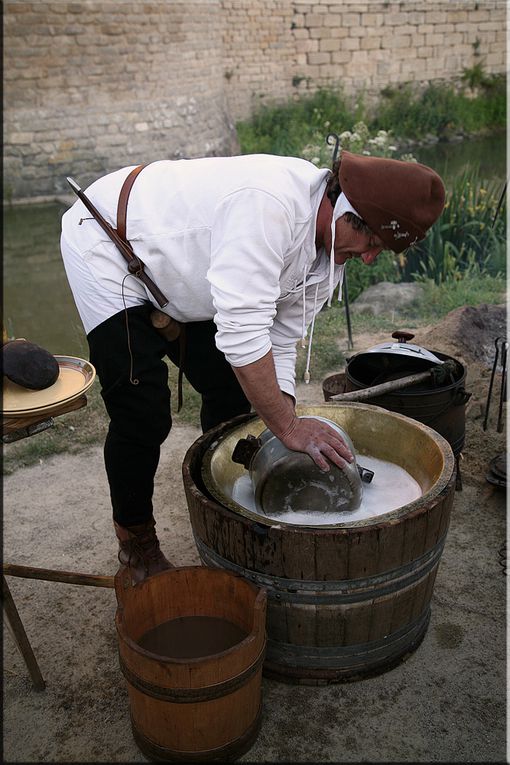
(446, 703)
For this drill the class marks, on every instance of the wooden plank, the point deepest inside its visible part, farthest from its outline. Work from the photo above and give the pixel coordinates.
(51, 575)
(363, 553)
(381, 617)
(357, 623)
(298, 554)
(415, 536)
(332, 558)
(21, 638)
(390, 549)
(330, 626)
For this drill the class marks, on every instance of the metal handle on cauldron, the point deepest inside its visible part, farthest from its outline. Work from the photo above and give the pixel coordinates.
(391, 385)
(245, 450)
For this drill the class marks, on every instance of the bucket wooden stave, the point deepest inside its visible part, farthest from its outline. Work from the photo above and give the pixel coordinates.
(195, 709)
(347, 601)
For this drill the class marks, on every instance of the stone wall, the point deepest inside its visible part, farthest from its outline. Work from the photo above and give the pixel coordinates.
(93, 86)
(90, 86)
(277, 49)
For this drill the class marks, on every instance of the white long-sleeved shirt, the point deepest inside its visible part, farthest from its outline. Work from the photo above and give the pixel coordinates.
(230, 239)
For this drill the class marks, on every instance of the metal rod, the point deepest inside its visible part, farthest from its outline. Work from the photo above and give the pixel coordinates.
(491, 383)
(335, 139)
(499, 205)
(502, 394)
(345, 289)
(50, 575)
(20, 636)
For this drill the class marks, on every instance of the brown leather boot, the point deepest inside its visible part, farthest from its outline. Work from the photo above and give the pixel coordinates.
(139, 550)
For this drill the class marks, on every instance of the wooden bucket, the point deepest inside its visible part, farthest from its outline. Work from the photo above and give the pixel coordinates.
(346, 601)
(192, 709)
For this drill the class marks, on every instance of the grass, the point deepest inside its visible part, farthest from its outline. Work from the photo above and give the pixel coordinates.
(436, 303)
(77, 431)
(286, 130)
(442, 110)
(438, 110)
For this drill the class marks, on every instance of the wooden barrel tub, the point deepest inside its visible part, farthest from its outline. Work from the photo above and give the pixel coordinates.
(344, 601)
(200, 709)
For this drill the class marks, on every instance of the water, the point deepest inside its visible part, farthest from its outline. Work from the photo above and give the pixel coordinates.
(38, 304)
(190, 637)
(391, 487)
(451, 159)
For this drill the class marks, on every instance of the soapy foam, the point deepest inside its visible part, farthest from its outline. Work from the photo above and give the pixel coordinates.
(392, 487)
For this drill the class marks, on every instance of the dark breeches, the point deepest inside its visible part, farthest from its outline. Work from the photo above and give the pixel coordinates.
(138, 400)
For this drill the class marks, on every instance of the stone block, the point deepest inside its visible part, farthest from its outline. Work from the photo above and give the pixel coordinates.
(351, 20)
(18, 138)
(319, 58)
(435, 39)
(328, 45)
(340, 57)
(351, 43)
(77, 61)
(370, 43)
(314, 20)
(338, 33)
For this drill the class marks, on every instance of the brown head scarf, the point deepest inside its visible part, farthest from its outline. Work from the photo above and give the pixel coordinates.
(398, 200)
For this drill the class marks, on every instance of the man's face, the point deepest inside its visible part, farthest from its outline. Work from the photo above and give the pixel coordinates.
(350, 243)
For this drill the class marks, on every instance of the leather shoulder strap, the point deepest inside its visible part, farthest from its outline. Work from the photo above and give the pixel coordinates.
(123, 200)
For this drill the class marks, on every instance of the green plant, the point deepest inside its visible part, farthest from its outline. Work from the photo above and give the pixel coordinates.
(474, 288)
(440, 109)
(474, 76)
(285, 128)
(467, 237)
(358, 140)
(330, 335)
(359, 276)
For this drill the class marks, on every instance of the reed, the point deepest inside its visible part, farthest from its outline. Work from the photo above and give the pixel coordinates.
(468, 238)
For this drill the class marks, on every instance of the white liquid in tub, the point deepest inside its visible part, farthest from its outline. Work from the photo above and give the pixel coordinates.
(391, 487)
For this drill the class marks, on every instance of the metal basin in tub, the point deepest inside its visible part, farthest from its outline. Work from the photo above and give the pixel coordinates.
(346, 600)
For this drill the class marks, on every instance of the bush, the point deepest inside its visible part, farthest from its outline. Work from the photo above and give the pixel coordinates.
(439, 109)
(467, 238)
(359, 276)
(442, 110)
(284, 130)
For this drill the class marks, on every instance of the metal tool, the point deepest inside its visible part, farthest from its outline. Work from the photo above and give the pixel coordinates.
(501, 346)
(333, 139)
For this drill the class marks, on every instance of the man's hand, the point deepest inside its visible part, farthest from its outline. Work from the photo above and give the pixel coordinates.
(319, 440)
(308, 435)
